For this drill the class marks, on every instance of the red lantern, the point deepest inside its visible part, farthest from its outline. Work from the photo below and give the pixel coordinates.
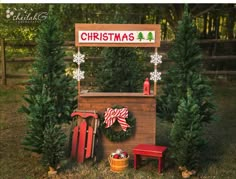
(146, 87)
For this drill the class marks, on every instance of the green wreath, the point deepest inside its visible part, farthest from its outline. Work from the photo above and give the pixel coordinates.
(118, 136)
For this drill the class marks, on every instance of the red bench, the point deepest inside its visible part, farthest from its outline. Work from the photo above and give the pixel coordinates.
(149, 150)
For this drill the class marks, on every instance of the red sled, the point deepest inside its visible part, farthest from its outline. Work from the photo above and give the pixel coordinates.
(83, 137)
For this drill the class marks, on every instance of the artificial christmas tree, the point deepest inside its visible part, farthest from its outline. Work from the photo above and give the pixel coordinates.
(120, 71)
(51, 94)
(186, 98)
(53, 146)
(186, 134)
(185, 73)
(40, 112)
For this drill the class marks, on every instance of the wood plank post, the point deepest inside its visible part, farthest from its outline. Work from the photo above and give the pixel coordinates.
(3, 59)
(78, 80)
(155, 83)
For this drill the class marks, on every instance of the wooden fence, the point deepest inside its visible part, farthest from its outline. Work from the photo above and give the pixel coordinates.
(210, 56)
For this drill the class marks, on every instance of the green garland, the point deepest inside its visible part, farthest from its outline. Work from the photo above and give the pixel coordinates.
(119, 136)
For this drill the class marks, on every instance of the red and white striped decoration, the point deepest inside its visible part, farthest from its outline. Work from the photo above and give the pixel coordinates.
(111, 115)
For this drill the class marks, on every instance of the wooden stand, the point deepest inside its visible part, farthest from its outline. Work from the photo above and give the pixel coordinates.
(143, 108)
(149, 151)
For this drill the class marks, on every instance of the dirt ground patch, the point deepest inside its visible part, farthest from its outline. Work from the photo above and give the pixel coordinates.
(15, 161)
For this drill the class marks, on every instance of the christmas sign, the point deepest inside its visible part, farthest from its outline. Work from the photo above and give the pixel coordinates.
(117, 35)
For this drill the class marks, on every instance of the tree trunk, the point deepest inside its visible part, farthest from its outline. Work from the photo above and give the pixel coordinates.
(165, 30)
(210, 27)
(230, 22)
(204, 33)
(3, 60)
(216, 32)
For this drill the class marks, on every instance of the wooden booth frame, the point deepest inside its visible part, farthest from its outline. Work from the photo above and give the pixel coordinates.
(98, 28)
(142, 106)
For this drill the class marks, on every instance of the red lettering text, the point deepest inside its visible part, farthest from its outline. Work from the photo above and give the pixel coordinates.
(131, 36)
(110, 34)
(83, 36)
(95, 36)
(90, 36)
(117, 37)
(105, 37)
(124, 37)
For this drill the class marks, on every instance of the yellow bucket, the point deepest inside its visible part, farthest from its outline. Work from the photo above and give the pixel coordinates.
(118, 165)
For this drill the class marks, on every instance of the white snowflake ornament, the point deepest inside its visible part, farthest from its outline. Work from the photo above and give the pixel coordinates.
(78, 74)
(156, 59)
(78, 58)
(155, 75)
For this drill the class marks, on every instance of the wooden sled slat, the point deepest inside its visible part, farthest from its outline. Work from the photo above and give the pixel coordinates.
(74, 141)
(84, 114)
(82, 138)
(89, 142)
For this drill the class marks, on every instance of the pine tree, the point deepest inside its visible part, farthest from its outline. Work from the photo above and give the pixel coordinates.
(40, 109)
(120, 71)
(184, 74)
(53, 145)
(51, 94)
(186, 134)
(186, 98)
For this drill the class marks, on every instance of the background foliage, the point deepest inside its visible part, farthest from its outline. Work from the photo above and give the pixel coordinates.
(213, 21)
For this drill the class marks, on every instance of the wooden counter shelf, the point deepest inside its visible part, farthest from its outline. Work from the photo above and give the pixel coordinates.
(109, 94)
(142, 106)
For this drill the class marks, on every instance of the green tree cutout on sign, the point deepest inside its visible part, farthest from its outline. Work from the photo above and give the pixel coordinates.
(140, 36)
(150, 36)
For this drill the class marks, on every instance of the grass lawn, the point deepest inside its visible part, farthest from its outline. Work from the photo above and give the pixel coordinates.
(218, 162)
